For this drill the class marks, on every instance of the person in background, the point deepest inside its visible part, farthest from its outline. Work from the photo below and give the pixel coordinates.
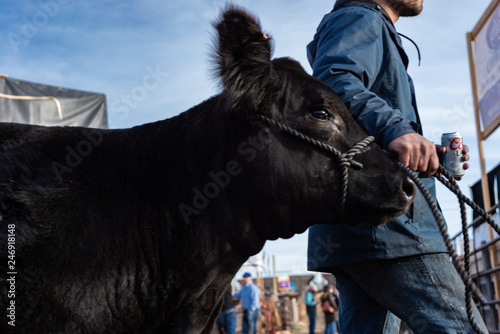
(329, 303)
(310, 302)
(250, 302)
(358, 52)
(227, 318)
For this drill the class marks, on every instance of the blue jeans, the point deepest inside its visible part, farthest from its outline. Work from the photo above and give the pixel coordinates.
(249, 323)
(330, 327)
(425, 291)
(312, 320)
(227, 319)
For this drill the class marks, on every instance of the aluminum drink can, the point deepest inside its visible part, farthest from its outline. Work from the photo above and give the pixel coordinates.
(452, 160)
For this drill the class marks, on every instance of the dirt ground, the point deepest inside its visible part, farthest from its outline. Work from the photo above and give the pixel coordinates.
(304, 326)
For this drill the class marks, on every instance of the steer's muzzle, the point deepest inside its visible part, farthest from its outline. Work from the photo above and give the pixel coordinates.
(409, 189)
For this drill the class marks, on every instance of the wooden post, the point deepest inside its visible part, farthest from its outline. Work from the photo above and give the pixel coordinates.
(484, 175)
(275, 279)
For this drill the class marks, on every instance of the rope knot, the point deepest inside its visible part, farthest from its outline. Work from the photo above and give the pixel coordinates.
(344, 162)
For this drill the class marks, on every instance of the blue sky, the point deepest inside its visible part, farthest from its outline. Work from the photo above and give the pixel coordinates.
(110, 47)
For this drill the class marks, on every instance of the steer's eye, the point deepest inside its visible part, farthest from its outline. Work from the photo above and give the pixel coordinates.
(322, 115)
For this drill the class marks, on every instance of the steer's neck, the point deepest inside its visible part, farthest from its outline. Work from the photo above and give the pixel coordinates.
(202, 176)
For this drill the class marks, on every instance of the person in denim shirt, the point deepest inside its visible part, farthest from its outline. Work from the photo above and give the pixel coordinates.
(250, 302)
(400, 268)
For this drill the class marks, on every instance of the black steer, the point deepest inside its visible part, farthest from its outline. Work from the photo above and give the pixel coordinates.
(141, 230)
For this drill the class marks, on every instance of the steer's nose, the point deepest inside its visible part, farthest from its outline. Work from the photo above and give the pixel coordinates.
(409, 188)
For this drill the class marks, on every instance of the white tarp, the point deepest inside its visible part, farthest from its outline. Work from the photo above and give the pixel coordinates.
(32, 103)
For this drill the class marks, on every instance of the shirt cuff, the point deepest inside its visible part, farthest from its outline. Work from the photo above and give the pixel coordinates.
(396, 130)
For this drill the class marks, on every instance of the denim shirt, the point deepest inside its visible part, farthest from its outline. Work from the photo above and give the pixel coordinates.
(357, 51)
(249, 296)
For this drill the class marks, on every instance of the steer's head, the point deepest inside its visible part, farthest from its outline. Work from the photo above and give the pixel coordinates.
(288, 179)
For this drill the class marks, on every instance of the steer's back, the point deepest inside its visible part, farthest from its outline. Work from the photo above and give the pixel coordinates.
(81, 247)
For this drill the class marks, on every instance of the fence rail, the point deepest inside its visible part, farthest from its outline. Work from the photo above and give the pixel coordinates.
(484, 273)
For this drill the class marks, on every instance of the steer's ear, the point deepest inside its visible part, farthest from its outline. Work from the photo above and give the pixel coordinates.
(243, 57)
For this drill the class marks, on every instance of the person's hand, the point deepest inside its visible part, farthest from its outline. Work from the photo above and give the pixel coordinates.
(416, 153)
(465, 156)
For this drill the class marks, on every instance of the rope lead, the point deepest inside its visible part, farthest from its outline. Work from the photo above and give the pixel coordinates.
(346, 160)
(450, 183)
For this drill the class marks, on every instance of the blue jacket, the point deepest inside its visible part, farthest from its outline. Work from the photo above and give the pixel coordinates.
(357, 51)
(309, 299)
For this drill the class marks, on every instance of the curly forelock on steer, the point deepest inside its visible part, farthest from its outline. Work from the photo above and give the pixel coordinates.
(242, 57)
